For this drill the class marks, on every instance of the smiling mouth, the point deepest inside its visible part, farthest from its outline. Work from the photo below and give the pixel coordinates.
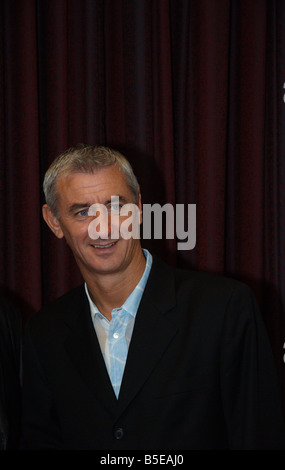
(102, 247)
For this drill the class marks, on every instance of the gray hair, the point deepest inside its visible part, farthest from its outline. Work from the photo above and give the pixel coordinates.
(85, 159)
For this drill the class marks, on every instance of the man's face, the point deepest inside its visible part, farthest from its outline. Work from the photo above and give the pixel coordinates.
(76, 193)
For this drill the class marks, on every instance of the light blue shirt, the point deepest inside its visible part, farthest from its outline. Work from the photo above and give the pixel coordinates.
(115, 336)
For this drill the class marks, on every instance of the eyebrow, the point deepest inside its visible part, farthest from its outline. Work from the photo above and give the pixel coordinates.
(121, 199)
(85, 205)
(77, 206)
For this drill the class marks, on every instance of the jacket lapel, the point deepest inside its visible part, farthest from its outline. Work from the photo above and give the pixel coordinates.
(152, 333)
(83, 348)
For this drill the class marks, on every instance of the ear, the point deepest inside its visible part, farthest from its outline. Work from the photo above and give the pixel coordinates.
(52, 221)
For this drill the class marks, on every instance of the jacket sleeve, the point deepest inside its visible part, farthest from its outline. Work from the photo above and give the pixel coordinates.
(10, 374)
(249, 388)
(40, 429)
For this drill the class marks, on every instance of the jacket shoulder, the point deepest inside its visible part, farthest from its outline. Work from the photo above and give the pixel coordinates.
(198, 281)
(56, 311)
(199, 291)
(208, 281)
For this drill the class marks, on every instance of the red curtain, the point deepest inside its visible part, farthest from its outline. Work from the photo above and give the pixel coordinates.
(192, 91)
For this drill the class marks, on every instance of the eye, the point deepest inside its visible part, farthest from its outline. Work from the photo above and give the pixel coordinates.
(83, 213)
(115, 207)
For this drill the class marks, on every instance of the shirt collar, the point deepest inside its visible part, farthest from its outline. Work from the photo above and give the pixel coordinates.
(132, 302)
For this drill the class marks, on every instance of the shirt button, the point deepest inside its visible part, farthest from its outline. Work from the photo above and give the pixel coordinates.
(119, 433)
(116, 335)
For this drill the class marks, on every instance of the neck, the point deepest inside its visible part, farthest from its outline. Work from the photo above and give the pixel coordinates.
(111, 290)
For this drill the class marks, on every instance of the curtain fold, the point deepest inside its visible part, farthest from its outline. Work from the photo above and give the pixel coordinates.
(20, 209)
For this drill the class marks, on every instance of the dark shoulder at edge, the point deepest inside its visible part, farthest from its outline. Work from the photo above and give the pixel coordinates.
(59, 305)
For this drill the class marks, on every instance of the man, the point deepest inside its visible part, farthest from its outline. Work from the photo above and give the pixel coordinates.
(141, 356)
(10, 374)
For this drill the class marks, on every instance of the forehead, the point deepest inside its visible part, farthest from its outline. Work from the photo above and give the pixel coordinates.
(104, 182)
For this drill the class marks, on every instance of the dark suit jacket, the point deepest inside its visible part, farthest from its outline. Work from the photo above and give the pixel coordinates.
(199, 373)
(10, 368)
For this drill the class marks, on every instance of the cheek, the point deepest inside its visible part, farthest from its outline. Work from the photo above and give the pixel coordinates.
(82, 234)
(76, 235)
(130, 226)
